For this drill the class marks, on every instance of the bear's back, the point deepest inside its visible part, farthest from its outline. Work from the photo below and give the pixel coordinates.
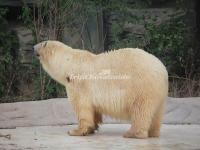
(130, 60)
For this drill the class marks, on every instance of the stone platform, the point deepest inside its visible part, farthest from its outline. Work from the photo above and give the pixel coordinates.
(43, 125)
(173, 137)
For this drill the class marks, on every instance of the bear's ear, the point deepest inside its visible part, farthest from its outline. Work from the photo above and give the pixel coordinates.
(45, 44)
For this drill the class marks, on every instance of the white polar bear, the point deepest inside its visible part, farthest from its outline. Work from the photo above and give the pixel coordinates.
(127, 84)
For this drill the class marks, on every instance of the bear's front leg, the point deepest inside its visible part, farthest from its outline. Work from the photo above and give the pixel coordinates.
(81, 131)
(85, 114)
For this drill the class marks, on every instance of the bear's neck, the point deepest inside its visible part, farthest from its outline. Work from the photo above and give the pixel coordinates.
(76, 63)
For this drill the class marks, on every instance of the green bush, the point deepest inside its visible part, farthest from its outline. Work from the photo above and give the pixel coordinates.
(8, 57)
(168, 43)
(49, 14)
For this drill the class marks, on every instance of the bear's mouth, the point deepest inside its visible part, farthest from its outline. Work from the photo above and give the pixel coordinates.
(38, 55)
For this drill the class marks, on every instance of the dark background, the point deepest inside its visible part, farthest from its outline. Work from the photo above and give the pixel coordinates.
(169, 29)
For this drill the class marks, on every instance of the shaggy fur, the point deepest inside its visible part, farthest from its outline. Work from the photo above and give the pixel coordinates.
(140, 98)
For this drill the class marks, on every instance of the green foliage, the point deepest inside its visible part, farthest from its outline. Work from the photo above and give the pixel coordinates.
(46, 88)
(8, 59)
(46, 20)
(122, 39)
(26, 16)
(120, 14)
(168, 43)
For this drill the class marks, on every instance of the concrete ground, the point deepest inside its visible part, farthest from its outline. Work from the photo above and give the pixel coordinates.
(173, 137)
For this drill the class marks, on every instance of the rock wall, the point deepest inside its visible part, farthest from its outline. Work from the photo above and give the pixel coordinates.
(26, 43)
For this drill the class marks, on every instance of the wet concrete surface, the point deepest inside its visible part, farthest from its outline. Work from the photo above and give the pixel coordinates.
(173, 137)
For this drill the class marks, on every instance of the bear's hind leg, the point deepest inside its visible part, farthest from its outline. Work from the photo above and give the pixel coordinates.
(97, 119)
(141, 117)
(154, 130)
(85, 114)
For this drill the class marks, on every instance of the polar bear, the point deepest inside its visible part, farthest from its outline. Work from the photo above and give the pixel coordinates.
(127, 84)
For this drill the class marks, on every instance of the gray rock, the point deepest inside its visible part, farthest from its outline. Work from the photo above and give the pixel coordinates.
(60, 112)
(25, 43)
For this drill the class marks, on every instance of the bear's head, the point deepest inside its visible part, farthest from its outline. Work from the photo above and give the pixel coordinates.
(54, 57)
(46, 51)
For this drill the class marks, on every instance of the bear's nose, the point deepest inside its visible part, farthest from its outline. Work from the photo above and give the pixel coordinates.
(33, 50)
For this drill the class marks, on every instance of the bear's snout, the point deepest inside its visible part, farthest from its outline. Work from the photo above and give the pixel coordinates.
(35, 51)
